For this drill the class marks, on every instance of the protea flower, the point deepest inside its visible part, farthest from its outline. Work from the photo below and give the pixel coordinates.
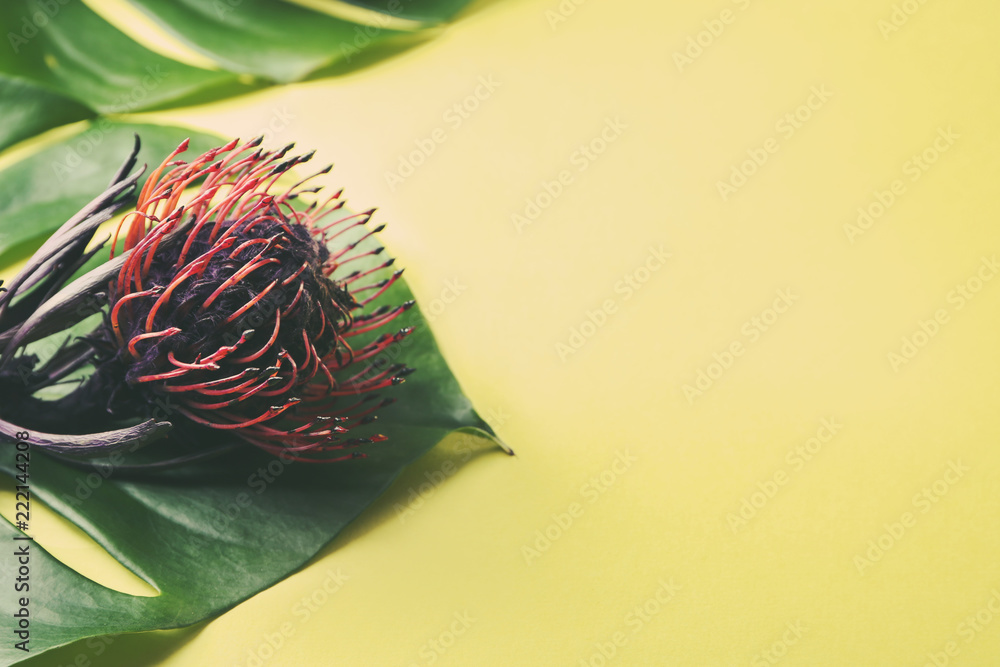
(231, 312)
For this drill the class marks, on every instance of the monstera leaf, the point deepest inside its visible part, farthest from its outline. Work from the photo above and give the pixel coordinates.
(209, 535)
(66, 63)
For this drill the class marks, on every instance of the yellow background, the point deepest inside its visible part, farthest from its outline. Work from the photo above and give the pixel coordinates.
(666, 518)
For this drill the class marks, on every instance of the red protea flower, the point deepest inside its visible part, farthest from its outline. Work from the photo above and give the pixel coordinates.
(235, 310)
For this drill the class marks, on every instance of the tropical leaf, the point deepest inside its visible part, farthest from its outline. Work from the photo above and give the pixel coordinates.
(231, 532)
(28, 109)
(67, 63)
(210, 535)
(72, 51)
(278, 41)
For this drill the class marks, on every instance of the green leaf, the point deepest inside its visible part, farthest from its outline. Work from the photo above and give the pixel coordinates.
(211, 535)
(41, 192)
(279, 41)
(28, 109)
(64, 47)
(73, 51)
